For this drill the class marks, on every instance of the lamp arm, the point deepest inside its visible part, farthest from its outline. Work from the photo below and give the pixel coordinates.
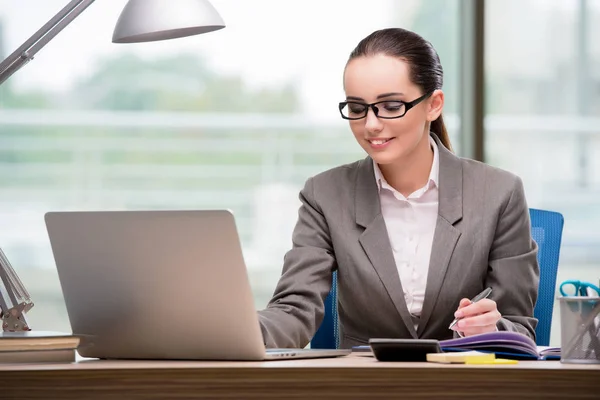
(14, 298)
(28, 50)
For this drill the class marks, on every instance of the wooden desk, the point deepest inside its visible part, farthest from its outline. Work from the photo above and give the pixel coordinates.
(351, 377)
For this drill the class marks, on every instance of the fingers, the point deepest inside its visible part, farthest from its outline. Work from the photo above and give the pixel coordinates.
(476, 318)
(478, 321)
(463, 303)
(472, 309)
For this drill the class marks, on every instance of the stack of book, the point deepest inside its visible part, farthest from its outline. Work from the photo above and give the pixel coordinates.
(37, 347)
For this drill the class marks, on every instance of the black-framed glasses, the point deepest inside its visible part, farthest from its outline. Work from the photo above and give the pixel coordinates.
(386, 109)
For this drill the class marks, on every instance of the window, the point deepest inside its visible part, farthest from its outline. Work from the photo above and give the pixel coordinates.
(237, 119)
(543, 117)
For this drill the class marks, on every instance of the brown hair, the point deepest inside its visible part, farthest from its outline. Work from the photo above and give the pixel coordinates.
(423, 61)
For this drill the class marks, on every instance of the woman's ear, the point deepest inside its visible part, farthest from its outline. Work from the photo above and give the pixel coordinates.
(435, 105)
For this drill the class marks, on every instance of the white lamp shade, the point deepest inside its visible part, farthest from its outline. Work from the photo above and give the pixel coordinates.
(152, 20)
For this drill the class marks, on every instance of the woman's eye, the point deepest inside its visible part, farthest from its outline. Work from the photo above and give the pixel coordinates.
(392, 105)
(356, 108)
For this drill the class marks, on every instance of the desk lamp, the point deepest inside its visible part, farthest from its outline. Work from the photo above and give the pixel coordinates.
(140, 21)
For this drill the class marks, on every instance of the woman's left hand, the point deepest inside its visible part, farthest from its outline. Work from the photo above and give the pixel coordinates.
(476, 318)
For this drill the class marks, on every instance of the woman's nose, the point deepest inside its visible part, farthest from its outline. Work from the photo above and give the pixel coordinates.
(372, 123)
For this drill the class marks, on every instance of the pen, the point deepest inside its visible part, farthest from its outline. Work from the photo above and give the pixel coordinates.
(475, 299)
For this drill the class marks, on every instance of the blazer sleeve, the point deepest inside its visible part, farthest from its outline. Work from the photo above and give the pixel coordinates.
(296, 310)
(513, 268)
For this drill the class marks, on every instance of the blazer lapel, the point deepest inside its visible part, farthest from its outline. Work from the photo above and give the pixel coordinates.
(446, 234)
(375, 241)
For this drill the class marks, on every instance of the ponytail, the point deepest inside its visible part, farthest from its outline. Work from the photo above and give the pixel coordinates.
(439, 129)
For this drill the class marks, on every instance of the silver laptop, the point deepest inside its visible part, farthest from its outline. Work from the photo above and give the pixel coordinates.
(159, 285)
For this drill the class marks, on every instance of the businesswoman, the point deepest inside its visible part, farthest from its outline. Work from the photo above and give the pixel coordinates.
(413, 230)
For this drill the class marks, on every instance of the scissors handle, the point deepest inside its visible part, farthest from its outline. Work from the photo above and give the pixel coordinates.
(579, 288)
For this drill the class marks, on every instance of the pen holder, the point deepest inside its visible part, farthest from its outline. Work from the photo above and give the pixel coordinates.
(580, 329)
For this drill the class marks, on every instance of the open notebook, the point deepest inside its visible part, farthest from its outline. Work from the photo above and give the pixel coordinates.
(505, 344)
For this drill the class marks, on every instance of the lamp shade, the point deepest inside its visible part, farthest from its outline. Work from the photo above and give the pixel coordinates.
(153, 20)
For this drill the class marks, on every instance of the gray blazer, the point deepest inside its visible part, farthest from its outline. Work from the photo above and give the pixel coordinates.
(482, 238)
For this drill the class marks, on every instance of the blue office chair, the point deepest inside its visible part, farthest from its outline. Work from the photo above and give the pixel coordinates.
(546, 230)
(328, 334)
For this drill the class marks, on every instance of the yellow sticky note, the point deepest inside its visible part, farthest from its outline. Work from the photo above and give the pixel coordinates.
(479, 361)
(460, 357)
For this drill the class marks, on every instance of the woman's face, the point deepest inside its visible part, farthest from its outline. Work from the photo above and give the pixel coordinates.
(375, 78)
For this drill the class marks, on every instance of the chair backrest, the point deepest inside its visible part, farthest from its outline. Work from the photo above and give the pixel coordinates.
(546, 230)
(327, 336)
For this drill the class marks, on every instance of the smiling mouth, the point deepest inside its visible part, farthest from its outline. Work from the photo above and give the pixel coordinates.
(378, 142)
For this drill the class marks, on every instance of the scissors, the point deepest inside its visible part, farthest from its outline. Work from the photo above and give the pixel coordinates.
(578, 288)
(588, 311)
